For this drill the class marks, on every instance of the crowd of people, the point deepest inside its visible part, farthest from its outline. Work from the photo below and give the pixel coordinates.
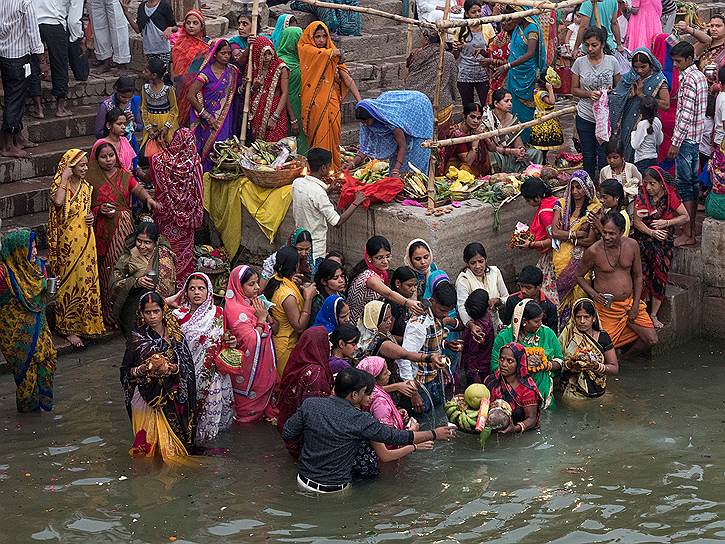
(343, 359)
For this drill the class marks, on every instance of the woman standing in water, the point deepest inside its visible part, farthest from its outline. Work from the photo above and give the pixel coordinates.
(25, 339)
(158, 380)
(72, 251)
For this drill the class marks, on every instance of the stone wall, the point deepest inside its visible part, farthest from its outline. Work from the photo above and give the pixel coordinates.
(713, 276)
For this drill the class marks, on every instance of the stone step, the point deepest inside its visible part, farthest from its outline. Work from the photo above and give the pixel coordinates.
(54, 128)
(44, 160)
(37, 222)
(680, 312)
(368, 21)
(25, 197)
(80, 93)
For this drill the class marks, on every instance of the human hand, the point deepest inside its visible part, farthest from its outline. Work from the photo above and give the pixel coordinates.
(125, 4)
(416, 308)
(336, 53)
(108, 209)
(455, 346)
(407, 388)
(294, 128)
(359, 198)
(230, 340)
(260, 312)
(236, 55)
(445, 432)
(168, 32)
(438, 361)
(456, 9)
(416, 401)
(89, 219)
(660, 223)
(493, 303)
(673, 152)
(173, 300)
(599, 298)
(521, 153)
(424, 446)
(310, 291)
(457, 46)
(682, 27)
(298, 278)
(500, 71)
(404, 414)
(595, 95)
(256, 85)
(633, 313)
(153, 205)
(657, 234)
(66, 174)
(477, 332)
(348, 165)
(508, 429)
(145, 282)
(620, 48)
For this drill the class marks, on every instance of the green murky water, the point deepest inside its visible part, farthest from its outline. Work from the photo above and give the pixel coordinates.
(644, 464)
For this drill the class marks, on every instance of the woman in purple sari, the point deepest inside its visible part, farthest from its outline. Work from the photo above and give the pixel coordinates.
(212, 119)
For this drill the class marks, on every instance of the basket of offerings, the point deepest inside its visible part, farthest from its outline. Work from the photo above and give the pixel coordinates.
(271, 165)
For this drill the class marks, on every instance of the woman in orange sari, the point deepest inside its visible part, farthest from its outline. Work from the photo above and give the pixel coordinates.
(190, 45)
(111, 207)
(325, 82)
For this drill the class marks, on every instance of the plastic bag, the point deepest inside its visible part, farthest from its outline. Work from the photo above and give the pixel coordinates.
(603, 129)
(380, 192)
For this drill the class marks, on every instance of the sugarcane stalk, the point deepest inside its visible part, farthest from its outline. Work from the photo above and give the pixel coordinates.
(453, 23)
(436, 108)
(540, 4)
(248, 88)
(435, 143)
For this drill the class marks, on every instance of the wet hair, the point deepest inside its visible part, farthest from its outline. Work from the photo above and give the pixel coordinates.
(101, 147)
(285, 265)
(157, 67)
(596, 32)
(152, 297)
(499, 94)
(532, 310)
(648, 111)
(533, 187)
(362, 114)
(445, 294)
(401, 274)
(148, 228)
(372, 247)
(683, 49)
(416, 245)
(588, 307)
(613, 147)
(465, 32)
(616, 218)
(477, 304)
(721, 75)
(325, 272)
(613, 188)
(111, 117)
(471, 107)
(350, 380)
(317, 158)
(125, 84)
(531, 275)
(346, 333)
(247, 275)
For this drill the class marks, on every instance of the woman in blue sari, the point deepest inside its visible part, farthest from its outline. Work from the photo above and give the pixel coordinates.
(527, 59)
(392, 127)
(342, 23)
(645, 79)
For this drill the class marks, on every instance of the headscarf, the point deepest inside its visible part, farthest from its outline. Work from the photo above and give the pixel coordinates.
(435, 278)
(56, 218)
(24, 277)
(410, 111)
(312, 66)
(187, 50)
(179, 187)
(374, 366)
(239, 314)
(213, 48)
(663, 208)
(96, 175)
(373, 315)
(497, 381)
(379, 272)
(585, 182)
(421, 276)
(571, 339)
(203, 328)
(287, 48)
(312, 350)
(327, 316)
(307, 266)
(283, 22)
(263, 100)
(518, 317)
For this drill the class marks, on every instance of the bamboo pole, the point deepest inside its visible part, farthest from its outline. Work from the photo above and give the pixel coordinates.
(409, 45)
(498, 132)
(248, 89)
(436, 109)
(540, 4)
(453, 23)
(370, 11)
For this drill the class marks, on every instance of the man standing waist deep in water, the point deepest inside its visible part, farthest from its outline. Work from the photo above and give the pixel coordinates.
(618, 275)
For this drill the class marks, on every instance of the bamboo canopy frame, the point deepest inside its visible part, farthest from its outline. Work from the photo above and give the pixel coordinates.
(536, 8)
(248, 87)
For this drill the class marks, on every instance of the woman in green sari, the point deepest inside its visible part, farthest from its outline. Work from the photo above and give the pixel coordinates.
(24, 336)
(287, 51)
(543, 351)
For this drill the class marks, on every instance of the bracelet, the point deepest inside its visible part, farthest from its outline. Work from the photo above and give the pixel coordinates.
(415, 448)
(168, 125)
(294, 122)
(521, 425)
(433, 433)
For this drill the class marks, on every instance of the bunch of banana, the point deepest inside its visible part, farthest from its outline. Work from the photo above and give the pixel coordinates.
(461, 414)
(226, 156)
(416, 184)
(264, 153)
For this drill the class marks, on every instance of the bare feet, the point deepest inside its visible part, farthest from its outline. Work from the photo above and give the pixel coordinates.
(75, 341)
(22, 143)
(683, 241)
(656, 322)
(36, 113)
(62, 112)
(14, 152)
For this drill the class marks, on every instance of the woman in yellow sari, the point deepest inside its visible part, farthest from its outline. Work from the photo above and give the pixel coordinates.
(589, 354)
(291, 310)
(72, 251)
(325, 82)
(571, 234)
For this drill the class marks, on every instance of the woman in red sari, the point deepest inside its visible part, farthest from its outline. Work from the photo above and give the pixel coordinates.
(178, 185)
(190, 45)
(270, 92)
(498, 52)
(247, 319)
(111, 207)
(306, 375)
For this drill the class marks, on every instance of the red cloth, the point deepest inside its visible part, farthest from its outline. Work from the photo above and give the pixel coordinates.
(187, 51)
(266, 99)
(543, 218)
(380, 192)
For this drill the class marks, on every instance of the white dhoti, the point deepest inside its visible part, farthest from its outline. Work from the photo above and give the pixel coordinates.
(110, 31)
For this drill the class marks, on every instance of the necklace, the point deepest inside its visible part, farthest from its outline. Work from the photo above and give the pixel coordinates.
(616, 261)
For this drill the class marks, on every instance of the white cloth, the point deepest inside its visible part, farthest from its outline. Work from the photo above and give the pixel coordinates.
(719, 119)
(574, 28)
(313, 211)
(414, 338)
(707, 133)
(492, 282)
(74, 21)
(19, 32)
(646, 145)
(50, 12)
(630, 178)
(110, 31)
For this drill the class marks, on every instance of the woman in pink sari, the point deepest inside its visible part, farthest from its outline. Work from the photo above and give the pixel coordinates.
(661, 51)
(177, 176)
(247, 319)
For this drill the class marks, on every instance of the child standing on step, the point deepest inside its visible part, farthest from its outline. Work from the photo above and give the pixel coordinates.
(159, 110)
(156, 23)
(647, 135)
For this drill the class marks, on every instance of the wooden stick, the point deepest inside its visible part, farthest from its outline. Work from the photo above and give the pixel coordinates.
(498, 132)
(409, 47)
(540, 4)
(504, 16)
(370, 11)
(436, 109)
(248, 89)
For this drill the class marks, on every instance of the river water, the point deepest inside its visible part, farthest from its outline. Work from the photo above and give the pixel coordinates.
(646, 463)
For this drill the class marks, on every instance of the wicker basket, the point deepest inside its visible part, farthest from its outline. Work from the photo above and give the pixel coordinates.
(278, 178)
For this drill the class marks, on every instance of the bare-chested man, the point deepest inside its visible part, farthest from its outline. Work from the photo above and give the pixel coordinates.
(618, 271)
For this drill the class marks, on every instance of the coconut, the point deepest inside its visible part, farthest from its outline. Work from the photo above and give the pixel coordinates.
(474, 393)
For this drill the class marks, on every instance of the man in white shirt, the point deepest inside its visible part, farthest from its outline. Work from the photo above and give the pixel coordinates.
(311, 207)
